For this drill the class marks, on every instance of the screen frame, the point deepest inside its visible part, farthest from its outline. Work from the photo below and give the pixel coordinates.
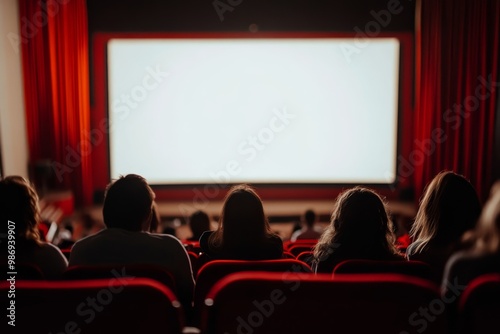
(101, 106)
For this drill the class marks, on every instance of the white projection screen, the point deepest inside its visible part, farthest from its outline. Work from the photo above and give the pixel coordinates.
(255, 110)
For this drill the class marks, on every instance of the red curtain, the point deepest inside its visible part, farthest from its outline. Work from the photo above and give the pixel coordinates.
(457, 56)
(54, 43)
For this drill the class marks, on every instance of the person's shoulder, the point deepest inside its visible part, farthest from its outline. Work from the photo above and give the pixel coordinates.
(90, 238)
(162, 240)
(275, 239)
(46, 249)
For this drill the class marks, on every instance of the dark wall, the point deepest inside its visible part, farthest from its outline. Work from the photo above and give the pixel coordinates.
(270, 15)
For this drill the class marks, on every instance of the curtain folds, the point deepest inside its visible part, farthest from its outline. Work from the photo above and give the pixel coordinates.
(56, 80)
(456, 90)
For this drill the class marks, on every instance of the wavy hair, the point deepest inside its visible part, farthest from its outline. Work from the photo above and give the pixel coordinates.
(19, 203)
(359, 220)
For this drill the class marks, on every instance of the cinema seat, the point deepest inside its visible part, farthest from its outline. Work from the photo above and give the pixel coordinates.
(306, 257)
(95, 306)
(410, 268)
(263, 302)
(193, 258)
(479, 308)
(156, 273)
(304, 242)
(212, 272)
(296, 249)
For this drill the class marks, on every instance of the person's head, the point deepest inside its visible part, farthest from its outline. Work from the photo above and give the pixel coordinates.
(19, 204)
(449, 207)
(488, 227)
(359, 221)
(242, 220)
(155, 221)
(309, 218)
(199, 222)
(128, 203)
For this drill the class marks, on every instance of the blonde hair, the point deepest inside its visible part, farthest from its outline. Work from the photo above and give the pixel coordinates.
(449, 207)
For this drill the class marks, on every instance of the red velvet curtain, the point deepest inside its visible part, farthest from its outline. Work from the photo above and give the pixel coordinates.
(457, 46)
(54, 43)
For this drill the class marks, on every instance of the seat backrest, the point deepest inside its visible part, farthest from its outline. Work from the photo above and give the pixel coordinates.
(156, 273)
(479, 308)
(260, 302)
(95, 306)
(303, 242)
(410, 268)
(193, 258)
(306, 257)
(299, 248)
(213, 271)
(66, 252)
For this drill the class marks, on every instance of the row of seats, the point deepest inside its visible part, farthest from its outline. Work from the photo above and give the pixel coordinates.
(255, 302)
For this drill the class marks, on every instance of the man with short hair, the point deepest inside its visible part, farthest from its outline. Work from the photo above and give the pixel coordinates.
(127, 212)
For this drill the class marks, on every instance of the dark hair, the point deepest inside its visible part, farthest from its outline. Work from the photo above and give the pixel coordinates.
(359, 220)
(128, 203)
(310, 218)
(199, 222)
(155, 220)
(19, 204)
(242, 221)
(449, 207)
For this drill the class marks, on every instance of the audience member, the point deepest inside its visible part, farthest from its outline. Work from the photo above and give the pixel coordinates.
(127, 211)
(20, 212)
(199, 222)
(360, 228)
(307, 231)
(484, 254)
(449, 208)
(155, 224)
(243, 232)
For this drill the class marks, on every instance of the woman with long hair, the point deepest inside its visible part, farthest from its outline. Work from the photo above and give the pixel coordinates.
(20, 213)
(449, 208)
(243, 232)
(360, 228)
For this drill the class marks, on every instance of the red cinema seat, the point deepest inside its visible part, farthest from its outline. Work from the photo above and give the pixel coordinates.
(410, 268)
(262, 302)
(95, 306)
(479, 309)
(306, 257)
(213, 271)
